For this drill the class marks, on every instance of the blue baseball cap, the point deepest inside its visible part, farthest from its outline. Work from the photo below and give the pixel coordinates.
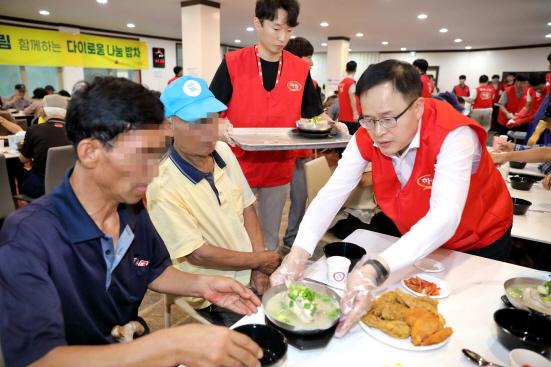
(190, 99)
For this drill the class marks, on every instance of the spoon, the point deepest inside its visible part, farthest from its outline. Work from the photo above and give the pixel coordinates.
(477, 358)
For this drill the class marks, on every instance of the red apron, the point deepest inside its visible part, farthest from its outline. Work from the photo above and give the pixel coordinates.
(514, 104)
(252, 106)
(488, 211)
(461, 92)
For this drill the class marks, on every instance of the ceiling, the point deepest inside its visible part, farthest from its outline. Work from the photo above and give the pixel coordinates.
(479, 23)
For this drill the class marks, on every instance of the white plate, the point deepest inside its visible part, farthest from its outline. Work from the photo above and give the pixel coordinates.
(444, 288)
(398, 343)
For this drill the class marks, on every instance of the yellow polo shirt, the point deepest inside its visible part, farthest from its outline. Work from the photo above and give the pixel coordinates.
(188, 212)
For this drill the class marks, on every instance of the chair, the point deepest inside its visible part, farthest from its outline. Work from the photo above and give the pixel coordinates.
(181, 302)
(58, 160)
(6, 201)
(317, 174)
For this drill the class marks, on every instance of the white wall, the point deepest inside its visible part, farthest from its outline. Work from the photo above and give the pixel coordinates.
(475, 63)
(156, 78)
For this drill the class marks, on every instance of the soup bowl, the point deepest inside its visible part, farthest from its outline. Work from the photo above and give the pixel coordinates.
(319, 288)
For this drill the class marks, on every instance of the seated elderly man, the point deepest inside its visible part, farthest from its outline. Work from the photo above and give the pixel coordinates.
(201, 204)
(77, 262)
(39, 138)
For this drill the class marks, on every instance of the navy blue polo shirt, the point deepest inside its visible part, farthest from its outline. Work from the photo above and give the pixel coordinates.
(60, 281)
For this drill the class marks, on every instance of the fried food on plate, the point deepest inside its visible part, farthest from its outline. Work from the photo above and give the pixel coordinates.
(401, 315)
(395, 328)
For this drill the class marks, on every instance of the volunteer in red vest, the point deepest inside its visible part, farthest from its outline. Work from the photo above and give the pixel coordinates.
(432, 175)
(178, 72)
(482, 102)
(265, 86)
(535, 95)
(428, 88)
(498, 91)
(512, 100)
(462, 89)
(349, 104)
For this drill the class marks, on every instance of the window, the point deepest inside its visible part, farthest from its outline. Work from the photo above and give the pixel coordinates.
(10, 76)
(132, 74)
(41, 76)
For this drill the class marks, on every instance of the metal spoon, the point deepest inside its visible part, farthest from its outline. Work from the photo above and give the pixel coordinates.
(477, 358)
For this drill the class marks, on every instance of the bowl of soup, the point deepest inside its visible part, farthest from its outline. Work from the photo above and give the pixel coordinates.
(302, 308)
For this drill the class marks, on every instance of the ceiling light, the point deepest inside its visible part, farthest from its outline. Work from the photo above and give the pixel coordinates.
(249, 29)
(443, 30)
(384, 43)
(349, 49)
(101, 1)
(548, 36)
(324, 24)
(44, 12)
(237, 41)
(324, 44)
(468, 47)
(131, 25)
(549, 24)
(359, 34)
(403, 49)
(458, 40)
(422, 16)
(293, 37)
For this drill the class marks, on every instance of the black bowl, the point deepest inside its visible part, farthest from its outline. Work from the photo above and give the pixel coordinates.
(523, 329)
(518, 165)
(521, 183)
(520, 206)
(272, 341)
(349, 250)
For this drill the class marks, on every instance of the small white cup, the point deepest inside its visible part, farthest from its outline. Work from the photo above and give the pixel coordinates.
(12, 141)
(337, 270)
(523, 357)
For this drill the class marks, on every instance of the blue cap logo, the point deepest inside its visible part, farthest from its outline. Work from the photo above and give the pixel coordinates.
(190, 99)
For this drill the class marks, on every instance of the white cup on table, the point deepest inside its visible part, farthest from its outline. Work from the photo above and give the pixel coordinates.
(337, 270)
(12, 141)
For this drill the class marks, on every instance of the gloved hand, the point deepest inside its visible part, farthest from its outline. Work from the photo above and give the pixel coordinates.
(225, 130)
(341, 128)
(358, 297)
(291, 268)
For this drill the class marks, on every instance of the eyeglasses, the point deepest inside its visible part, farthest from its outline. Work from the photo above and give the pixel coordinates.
(388, 122)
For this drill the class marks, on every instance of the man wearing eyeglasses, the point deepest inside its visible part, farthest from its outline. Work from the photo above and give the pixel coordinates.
(432, 175)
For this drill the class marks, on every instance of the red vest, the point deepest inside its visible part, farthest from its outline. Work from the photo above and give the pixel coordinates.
(345, 107)
(252, 106)
(461, 92)
(514, 104)
(428, 87)
(488, 211)
(536, 101)
(484, 97)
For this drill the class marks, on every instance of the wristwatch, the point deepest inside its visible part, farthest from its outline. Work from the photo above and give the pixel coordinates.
(380, 269)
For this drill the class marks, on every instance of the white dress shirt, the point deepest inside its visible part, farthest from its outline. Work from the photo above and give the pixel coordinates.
(458, 158)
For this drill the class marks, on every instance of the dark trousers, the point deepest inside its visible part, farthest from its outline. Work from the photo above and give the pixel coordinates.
(499, 250)
(33, 186)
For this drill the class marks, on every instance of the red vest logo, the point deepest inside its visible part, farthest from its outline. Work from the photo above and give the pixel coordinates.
(294, 86)
(425, 182)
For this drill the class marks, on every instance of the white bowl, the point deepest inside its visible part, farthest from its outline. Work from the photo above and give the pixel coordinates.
(525, 357)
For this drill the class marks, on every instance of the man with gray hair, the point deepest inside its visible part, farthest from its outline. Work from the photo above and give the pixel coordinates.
(39, 138)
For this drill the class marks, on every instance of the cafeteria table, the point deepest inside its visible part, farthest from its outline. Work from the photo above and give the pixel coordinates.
(476, 287)
(257, 139)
